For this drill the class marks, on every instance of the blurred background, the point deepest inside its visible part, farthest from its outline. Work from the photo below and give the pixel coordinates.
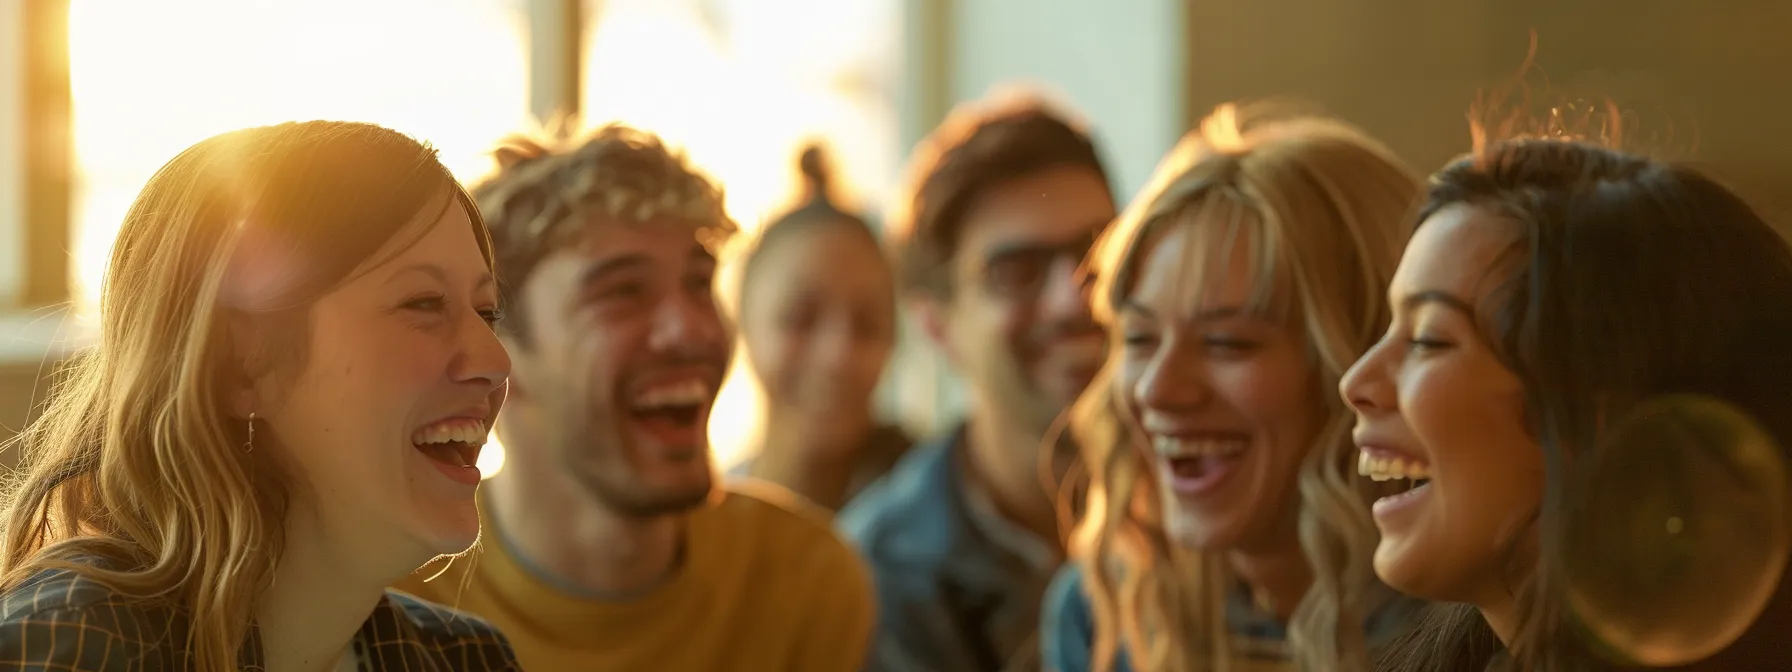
(96, 94)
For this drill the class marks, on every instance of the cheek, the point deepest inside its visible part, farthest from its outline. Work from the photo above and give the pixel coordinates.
(1273, 393)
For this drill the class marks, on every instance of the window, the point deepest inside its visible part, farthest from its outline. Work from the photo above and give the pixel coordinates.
(151, 78)
(12, 169)
(737, 83)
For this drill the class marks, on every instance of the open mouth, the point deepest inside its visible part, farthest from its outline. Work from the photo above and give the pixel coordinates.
(1404, 475)
(454, 442)
(1200, 464)
(675, 413)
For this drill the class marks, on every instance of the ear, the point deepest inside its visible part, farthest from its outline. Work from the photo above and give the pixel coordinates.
(932, 314)
(244, 369)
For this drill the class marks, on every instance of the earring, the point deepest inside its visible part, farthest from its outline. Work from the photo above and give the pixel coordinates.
(249, 446)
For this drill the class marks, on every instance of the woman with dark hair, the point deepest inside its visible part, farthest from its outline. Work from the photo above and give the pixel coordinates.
(817, 311)
(1550, 288)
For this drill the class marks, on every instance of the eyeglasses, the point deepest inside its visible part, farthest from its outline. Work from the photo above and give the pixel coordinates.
(1021, 270)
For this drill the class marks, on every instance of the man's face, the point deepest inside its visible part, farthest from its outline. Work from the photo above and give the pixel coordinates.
(1017, 324)
(626, 353)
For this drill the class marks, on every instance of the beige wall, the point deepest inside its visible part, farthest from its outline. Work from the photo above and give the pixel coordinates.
(1405, 70)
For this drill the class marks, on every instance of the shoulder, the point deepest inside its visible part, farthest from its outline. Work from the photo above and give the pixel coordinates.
(443, 629)
(60, 617)
(1067, 624)
(783, 523)
(906, 498)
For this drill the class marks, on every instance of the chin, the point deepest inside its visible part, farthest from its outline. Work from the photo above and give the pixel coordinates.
(449, 531)
(1394, 566)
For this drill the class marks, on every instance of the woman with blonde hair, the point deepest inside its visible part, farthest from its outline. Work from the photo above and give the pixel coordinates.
(294, 374)
(1226, 527)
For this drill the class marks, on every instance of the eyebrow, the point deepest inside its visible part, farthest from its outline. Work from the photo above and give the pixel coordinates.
(1001, 251)
(599, 271)
(1437, 296)
(435, 272)
(1204, 315)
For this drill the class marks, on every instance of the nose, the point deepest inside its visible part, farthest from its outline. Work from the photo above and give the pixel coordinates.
(1170, 386)
(1063, 295)
(688, 323)
(1364, 385)
(482, 358)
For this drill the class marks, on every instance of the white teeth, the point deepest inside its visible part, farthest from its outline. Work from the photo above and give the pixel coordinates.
(458, 430)
(1171, 447)
(687, 393)
(1390, 468)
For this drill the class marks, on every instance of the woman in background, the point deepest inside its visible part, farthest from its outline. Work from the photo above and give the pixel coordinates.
(1226, 527)
(1550, 287)
(295, 372)
(818, 317)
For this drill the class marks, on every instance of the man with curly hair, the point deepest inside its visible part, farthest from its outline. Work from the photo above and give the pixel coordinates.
(606, 543)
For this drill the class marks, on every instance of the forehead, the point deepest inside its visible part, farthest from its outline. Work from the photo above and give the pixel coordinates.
(1048, 207)
(662, 239)
(1457, 250)
(1192, 266)
(824, 254)
(441, 234)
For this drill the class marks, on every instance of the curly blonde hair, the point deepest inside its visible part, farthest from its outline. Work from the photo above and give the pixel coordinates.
(1324, 207)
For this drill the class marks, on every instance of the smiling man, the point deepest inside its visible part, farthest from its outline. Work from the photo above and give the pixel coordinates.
(606, 544)
(1005, 200)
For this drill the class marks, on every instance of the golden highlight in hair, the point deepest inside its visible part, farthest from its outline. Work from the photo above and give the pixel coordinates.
(1323, 210)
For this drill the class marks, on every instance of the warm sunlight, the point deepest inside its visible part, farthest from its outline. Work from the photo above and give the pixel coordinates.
(151, 78)
(737, 83)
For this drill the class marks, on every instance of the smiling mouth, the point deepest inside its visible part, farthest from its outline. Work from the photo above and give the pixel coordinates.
(454, 442)
(1403, 474)
(1199, 465)
(676, 408)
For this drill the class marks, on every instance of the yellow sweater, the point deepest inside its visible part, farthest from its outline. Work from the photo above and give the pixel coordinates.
(766, 586)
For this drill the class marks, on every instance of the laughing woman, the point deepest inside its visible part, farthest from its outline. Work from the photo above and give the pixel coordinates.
(1226, 526)
(295, 370)
(1551, 287)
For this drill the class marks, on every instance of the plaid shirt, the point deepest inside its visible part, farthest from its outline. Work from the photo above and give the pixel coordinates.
(61, 622)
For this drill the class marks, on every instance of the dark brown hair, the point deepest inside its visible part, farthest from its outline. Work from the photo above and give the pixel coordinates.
(1628, 278)
(976, 148)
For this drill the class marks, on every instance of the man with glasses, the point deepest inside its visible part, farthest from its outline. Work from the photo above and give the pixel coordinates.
(1005, 200)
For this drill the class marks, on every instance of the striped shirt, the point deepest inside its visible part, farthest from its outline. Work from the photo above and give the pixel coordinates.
(59, 621)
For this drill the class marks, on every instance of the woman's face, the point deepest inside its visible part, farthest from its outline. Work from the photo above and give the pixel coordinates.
(1225, 395)
(820, 324)
(401, 380)
(1436, 406)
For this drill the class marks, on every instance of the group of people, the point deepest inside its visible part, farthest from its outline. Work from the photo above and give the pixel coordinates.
(1294, 408)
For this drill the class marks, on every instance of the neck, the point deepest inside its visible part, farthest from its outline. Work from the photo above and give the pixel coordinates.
(817, 465)
(559, 530)
(309, 616)
(1005, 460)
(1278, 575)
(1501, 614)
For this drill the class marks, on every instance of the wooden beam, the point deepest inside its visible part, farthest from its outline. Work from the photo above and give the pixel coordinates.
(49, 155)
(556, 59)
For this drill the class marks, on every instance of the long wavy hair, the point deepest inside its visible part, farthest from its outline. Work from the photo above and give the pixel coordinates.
(1320, 204)
(136, 474)
(1613, 256)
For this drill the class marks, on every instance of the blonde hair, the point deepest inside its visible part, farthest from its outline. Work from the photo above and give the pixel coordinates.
(136, 474)
(1323, 209)
(551, 185)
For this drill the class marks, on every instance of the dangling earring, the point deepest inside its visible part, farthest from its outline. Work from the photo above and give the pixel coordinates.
(249, 446)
